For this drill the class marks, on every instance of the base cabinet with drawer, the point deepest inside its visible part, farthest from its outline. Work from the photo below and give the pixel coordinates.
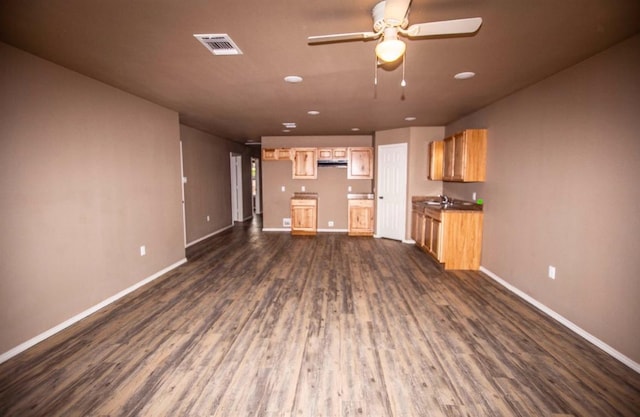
(360, 222)
(452, 237)
(304, 216)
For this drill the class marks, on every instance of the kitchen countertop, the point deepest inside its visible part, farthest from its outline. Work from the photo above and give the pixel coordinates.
(360, 196)
(434, 202)
(305, 196)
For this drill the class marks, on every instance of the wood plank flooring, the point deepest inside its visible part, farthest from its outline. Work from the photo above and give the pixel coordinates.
(266, 324)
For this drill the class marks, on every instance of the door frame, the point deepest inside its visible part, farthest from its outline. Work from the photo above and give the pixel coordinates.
(402, 212)
(235, 166)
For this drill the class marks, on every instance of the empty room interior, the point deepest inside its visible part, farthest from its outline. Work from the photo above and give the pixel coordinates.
(377, 208)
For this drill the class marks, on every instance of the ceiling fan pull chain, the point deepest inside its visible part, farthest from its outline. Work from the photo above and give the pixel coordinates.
(403, 83)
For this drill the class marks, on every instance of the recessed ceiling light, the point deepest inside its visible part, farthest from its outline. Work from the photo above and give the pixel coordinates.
(294, 79)
(355, 129)
(289, 125)
(464, 75)
(410, 118)
(313, 112)
(286, 130)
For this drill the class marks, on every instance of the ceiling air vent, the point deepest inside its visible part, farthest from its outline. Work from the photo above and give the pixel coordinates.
(219, 44)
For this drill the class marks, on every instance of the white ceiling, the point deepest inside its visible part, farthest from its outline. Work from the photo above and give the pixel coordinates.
(146, 47)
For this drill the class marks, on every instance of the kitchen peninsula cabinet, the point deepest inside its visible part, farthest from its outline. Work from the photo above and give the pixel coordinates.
(465, 155)
(305, 163)
(360, 222)
(452, 237)
(360, 163)
(304, 215)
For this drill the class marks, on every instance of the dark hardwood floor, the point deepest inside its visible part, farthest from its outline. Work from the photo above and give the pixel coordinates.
(265, 324)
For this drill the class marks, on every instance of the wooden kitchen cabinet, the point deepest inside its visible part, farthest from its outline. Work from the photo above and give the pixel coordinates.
(305, 163)
(435, 160)
(332, 154)
(276, 154)
(452, 237)
(465, 155)
(304, 216)
(360, 163)
(360, 222)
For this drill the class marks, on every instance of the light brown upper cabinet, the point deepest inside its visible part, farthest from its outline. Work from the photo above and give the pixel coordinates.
(276, 154)
(305, 163)
(360, 163)
(332, 154)
(465, 156)
(436, 156)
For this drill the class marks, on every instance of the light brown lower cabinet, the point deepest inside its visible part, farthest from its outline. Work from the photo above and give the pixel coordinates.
(360, 222)
(304, 216)
(452, 237)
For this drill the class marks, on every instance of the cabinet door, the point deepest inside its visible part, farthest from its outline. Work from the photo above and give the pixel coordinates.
(325, 153)
(304, 217)
(459, 156)
(449, 156)
(435, 160)
(339, 153)
(436, 234)
(305, 163)
(268, 154)
(360, 164)
(360, 222)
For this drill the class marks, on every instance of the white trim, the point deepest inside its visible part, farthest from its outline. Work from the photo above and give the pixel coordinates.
(247, 218)
(332, 230)
(209, 235)
(568, 324)
(409, 241)
(276, 229)
(42, 336)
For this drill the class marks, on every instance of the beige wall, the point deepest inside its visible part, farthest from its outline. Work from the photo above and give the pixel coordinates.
(332, 183)
(208, 188)
(417, 139)
(562, 189)
(88, 174)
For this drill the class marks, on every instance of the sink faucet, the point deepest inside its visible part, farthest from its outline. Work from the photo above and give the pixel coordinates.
(444, 199)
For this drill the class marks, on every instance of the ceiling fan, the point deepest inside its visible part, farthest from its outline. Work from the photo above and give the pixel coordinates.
(390, 19)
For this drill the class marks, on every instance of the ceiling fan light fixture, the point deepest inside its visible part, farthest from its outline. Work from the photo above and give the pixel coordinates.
(390, 50)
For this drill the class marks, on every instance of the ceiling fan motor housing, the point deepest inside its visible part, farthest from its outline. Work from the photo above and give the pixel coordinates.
(379, 22)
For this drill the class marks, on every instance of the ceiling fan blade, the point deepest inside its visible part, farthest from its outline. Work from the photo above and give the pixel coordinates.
(395, 11)
(445, 27)
(341, 37)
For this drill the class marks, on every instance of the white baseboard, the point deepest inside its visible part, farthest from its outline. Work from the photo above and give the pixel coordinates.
(567, 323)
(42, 336)
(209, 235)
(288, 229)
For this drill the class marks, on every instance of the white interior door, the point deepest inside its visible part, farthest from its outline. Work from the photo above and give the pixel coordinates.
(391, 190)
(236, 188)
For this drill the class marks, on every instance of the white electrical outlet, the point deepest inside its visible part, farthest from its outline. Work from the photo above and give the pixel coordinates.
(552, 272)
(303, 188)
(143, 250)
(473, 197)
(208, 219)
(349, 188)
(330, 223)
(286, 222)
(282, 188)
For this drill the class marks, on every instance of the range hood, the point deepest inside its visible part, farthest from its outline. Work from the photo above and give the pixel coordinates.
(334, 163)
